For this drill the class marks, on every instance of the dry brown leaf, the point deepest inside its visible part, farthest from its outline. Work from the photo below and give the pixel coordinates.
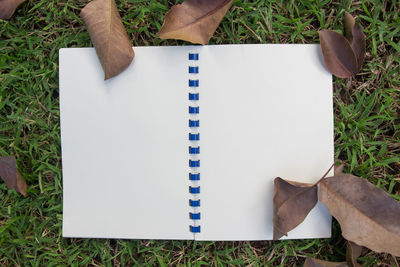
(355, 35)
(339, 169)
(292, 203)
(194, 20)
(7, 8)
(344, 55)
(338, 55)
(353, 251)
(108, 35)
(310, 262)
(11, 176)
(367, 215)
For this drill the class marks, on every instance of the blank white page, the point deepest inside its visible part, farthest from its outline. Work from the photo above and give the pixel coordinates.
(266, 111)
(124, 146)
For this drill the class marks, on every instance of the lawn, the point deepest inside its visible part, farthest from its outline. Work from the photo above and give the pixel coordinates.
(367, 125)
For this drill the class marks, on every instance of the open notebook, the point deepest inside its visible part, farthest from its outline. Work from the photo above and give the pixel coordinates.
(186, 143)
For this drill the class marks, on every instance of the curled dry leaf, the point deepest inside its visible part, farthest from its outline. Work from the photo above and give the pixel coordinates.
(355, 35)
(367, 215)
(344, 55)
(338, 169)
(338, 55)
(292, 203)
(11, 176)
(194, 20)
(108, 35)
(7, 8)
(310, 262)
(353, 251)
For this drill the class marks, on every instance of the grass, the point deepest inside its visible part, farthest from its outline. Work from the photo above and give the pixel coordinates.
(367, 126)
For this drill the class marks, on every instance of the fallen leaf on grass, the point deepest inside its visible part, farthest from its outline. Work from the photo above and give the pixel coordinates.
(292, 203)
(11, 176)
(355, 35)
(338, 55)
(7, 8)
(288, 212)
(310, 262)
(194, 20)
(338, 169)
(343, 55)
(367, 215)
(108, 35)
(353, 251)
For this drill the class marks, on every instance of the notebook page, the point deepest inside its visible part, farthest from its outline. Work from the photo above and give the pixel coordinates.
(266, 111)
(124, 146)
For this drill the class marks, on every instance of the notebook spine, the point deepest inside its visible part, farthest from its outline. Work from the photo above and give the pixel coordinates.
(194, 143)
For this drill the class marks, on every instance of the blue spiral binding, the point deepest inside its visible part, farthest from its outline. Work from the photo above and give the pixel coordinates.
(193, 97)
(194, 150)
(193, 70)
(194, 176)
(194, 229)
(194, 203)
(193, 83)
(194, 123)
(194, 163)
(194, 138)
(194, 216)
(194, 190)
(193, 56)
(194, 110)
